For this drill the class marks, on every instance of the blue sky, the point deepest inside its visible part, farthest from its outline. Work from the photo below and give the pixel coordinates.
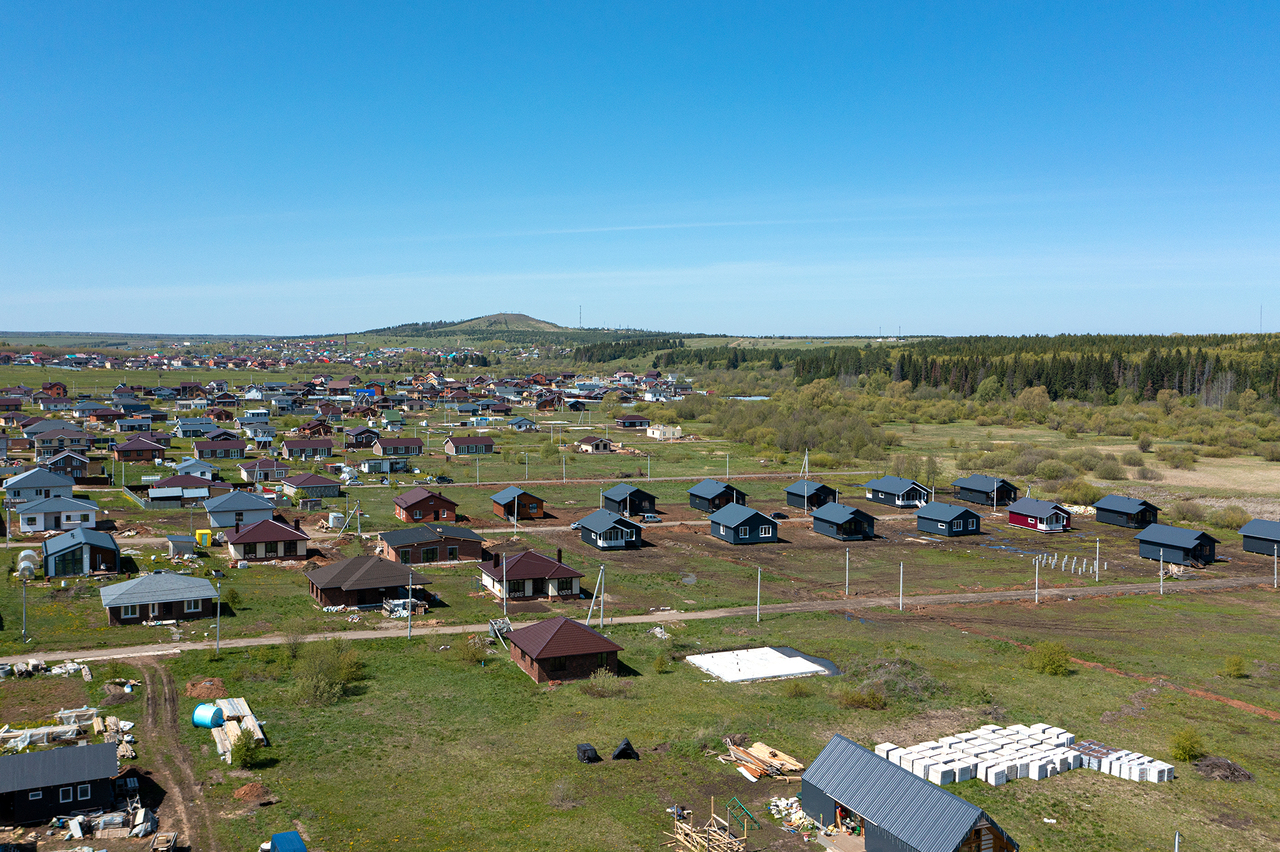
(739, 168)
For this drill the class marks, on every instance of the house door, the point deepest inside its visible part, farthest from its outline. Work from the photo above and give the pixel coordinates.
(435, 515)
(57, 521)
(539, 586)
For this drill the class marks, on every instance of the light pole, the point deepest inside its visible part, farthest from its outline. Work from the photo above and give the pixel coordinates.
(410, 603)
(526, 467)
(217, 635)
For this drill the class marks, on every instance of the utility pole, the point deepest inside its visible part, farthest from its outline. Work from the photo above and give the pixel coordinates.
(1037, 582)
(846, 572)
(1162, 570)
(759, 573)
(900, 575)
(217, 641)
(410, 603)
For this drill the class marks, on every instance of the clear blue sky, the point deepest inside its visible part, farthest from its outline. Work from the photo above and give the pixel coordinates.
(744, 168)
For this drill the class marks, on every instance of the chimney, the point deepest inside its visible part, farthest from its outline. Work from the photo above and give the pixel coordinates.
(297, 524)
(237, 527)
(559, 555)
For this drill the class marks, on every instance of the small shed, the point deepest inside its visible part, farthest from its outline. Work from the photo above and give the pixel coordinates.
(1126, 512)
(562, 649)
(516, 504)
(844, 523)
(181, 545)
(898, 492)
(1176, 545)
(944, 519)
(287, 841)
(1261, 537)
(629, 500)
(40, 785)
(1039, 515)
(710, 495)
(739, 524)
(809, 495)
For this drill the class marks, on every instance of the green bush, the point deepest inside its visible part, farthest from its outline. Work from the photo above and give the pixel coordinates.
(1186, 512)
(1231, 517)
(604, 684)
(294, 631)
(861, 699)
(1078, 492)
(231, 597)
(1054, 469)
(1049, 658)
(1186, 745)
(1270, 452)
(245, 751)
(1233, 667)
(1144, 443)
(323, 670)
(1110, 470)
(796, 688)
(1132, 458)
(661, 664)
(1149, 474)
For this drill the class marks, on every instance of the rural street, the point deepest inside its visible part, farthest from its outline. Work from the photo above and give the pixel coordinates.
(857, 602)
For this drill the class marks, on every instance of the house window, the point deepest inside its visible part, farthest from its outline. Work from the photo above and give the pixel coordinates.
(430, 554)
(31, 521)
(722, 530)
(129, 611)
(290, 548)
(515, 588)
(239, 517)
(66, 794)
(155, 610)
(556, 664)
(272, 548)
(84, 791)
(957, 525)
(34, 795)
(416, 514)
(941, 525)
(564, 586)
(973, 525)
(251, 549)
(453, 552)
(406, 555)
(744, 531)
(602, 660)
(765, 532)
(191, 606)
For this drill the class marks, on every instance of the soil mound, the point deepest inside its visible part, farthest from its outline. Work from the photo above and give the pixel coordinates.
(207, 689)
(115, 695)
(252, 792)
(1221, 769)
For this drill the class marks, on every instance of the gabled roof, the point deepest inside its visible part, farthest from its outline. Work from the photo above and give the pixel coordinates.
(838, 513)
(805, 488)
(309, 480)
(592, 439)
(981, 482)
(417, 495)
(622, 491)
(58, 766)
(58, 504)
(1036, 508)
(528, 565)
(75, 538)
(602, 519)
(734, 514)
(936, 511)
(137, 442)
(709, 488)
(237, 501)
(182, 480)
(1259, 528)
(307, 443)
(268, 530)
(39, 478)
(364, 572)
(1173, 536)
(157, 588)
(399, 442)
(460, 440)
(1123, 505)
(894, 485)
(426, 534)
(922, 815)
(510, 493)
(560, 637)
(263, 464)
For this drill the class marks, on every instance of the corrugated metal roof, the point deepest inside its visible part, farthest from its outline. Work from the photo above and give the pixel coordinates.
(364, 572)
(838, 513)
(734, 514)
(157, 588)
(1258, 528)
(38, 478)
(937, 511)
(981, 482)
(622, 491)
(75, 538)
(1173, 536)
(602, 519)
(805, 488)
(507, 494)
(1036, 508)
(427, 534)
(57, 504)
(922, 815)
(1124, 505)
(894, 485)
(237, 501)
(708, 488)
(66, 765)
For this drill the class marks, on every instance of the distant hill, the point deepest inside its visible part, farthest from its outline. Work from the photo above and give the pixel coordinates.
(496, 323)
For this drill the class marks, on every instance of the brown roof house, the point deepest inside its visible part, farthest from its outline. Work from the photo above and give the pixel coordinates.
(364, 581)
(465, 446)
(561, 649)
(398, 447)
(303, 485)
(320, 448)
(529, 575)
(138, 449)
(420, 504)
(270, 539)
(263, 470)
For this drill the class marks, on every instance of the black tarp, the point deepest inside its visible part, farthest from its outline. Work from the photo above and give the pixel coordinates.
(587, 753)
(626, 751)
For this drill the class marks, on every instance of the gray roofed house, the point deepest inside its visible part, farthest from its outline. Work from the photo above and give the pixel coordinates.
(739, 524)
(896, 491)
(158, 596)
(845, 523)
(897, 810)
(53, 782)
(987, 490)
(1261, 536)
(945, 519)
(1126, 512)
(629, 500)
(712, 494)
(37, 484)
(237, 507)
(808, 495)
(57, 513)
(1176, 545)
(80, 552)
(364, 581)
(430, 543)
(1039, 515)
(607, 530)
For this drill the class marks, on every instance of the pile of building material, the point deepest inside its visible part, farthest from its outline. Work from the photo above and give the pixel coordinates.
(237, 720)
(20, 738)
(714, 836)
(998, 755)
(760, 760)
(1129, 765)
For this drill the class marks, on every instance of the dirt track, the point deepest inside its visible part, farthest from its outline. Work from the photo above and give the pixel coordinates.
(189, 815)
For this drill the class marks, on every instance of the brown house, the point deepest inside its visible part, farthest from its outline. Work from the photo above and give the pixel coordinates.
(321, 448)
(423, 505)
(364, 581)
(517, 504)
(434, 543)
(138, 449)
(561, 649)
(362, 437)
(398, 447)
(222, 449)
(466, 446)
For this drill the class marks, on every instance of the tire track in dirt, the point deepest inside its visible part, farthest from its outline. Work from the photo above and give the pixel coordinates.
(1152, 679)
(173, 764)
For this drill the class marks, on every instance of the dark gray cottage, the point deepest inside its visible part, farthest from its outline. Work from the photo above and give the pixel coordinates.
(898, 492)
(1261, 537)
(738, 524)
(987, 490)
(629, 500)
(843, 522)
(710, 495)
(1126, 512)
(809, 495)
(39, 785)
(1176, 545)
(945, 519)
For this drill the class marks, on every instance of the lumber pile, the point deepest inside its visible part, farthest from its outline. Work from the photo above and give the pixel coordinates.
(761, 760)
(238, 720)
(715, 836)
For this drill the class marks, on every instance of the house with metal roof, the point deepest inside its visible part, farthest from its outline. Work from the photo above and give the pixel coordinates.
(263, 470)
(562, 649)
(237, 507)
(807, 495)
(161, 596)
(1176, 545)
(464, 445)
(710, 495)
(419, 505)
(195, 467)
(1126, 512)
(57, 513)
(79, 553)
(310, 485)
(987, 490)
(1261, 537)
(430, 543)
(515, 504)
(1039, 515)
(898, 492)
(944, 519)
(843, 523)
(37, 484)
(529, 575)
(629, 500)
(269, 539)
(365, 581)
(895, 810)
(605, 530)
(739, 524)
(39, 785)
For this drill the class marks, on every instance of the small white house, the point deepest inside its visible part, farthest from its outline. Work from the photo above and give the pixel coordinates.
(663, 432)
(57, 513)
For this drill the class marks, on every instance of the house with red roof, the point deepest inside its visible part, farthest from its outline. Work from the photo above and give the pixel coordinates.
(530, 575)
(562, 649)
(269, 539)
(421, 505)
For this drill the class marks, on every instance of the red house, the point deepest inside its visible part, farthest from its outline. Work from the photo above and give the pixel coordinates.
(561, 649)
(421, 505)
(138, 449)
(1039, 515)
(398, 447)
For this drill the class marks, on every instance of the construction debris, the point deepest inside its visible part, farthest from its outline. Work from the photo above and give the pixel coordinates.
(760, 760)
(237, 720)
(713, 836)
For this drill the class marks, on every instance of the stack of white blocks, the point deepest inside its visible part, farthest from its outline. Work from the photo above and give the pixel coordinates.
(997, 755)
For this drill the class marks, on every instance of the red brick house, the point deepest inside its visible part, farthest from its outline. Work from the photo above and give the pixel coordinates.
(138, 449)
(515, 504)
(221, 449)
(57, 390)
(562, 649)
(433, 543)
(420, 504)
(320, 448)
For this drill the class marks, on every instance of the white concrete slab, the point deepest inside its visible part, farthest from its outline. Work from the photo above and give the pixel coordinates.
(753, 664)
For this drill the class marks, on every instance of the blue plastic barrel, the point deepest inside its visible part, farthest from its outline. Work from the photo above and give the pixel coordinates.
(206, 716)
